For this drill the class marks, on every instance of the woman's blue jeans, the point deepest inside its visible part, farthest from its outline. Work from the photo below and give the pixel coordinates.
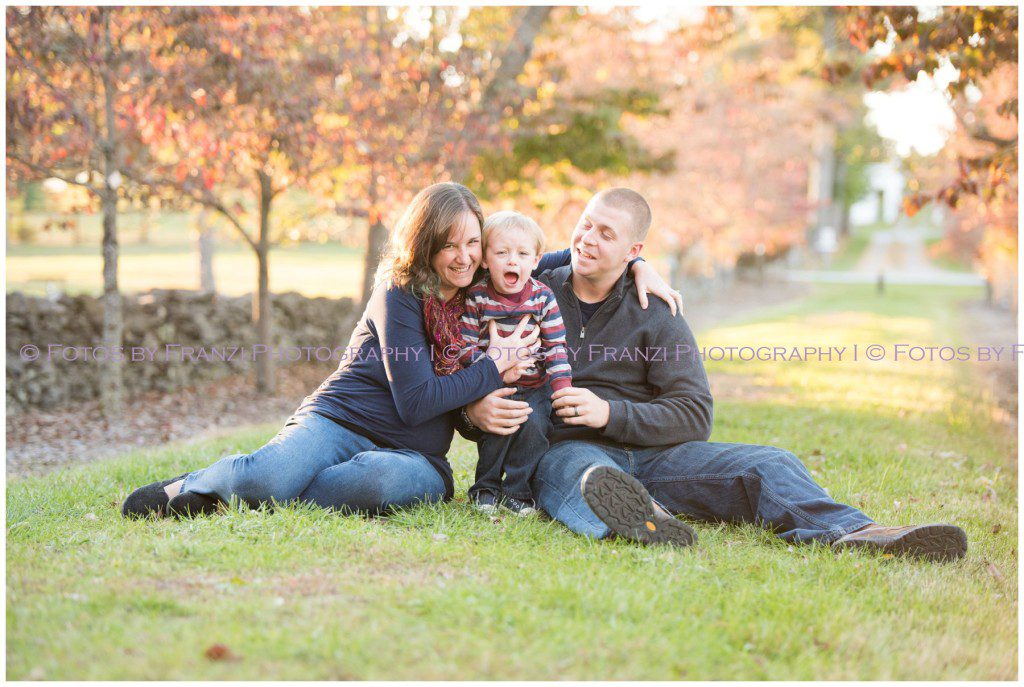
(316, 460)
(703, 480)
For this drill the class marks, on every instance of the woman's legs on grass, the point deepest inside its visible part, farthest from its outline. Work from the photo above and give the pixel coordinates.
(376, 481)
(315, 459)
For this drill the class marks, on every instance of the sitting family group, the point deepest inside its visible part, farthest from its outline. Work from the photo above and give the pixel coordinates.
(472, 327)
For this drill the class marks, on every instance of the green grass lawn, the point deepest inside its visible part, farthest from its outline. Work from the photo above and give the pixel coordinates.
(170, 259)
(442, 592)
(313, 270)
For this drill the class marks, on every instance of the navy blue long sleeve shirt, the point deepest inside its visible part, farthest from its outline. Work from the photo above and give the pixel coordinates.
(385, 388)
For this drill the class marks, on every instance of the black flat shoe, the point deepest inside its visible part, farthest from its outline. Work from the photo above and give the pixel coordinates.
(189, 504)
(149, 499)
(622, 503)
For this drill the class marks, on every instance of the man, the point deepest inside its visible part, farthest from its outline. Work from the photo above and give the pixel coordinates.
(635, 423)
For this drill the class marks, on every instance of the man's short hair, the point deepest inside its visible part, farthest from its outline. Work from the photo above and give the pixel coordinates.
(633, 203)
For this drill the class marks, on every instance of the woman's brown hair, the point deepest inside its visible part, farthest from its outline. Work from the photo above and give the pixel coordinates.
(421, 233)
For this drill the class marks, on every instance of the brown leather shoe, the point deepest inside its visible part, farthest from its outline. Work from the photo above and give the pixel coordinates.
(931, 542)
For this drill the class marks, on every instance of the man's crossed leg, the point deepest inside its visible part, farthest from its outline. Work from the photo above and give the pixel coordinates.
(581, 484)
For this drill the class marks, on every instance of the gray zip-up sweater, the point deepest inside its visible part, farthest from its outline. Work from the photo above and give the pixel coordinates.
(643, 362)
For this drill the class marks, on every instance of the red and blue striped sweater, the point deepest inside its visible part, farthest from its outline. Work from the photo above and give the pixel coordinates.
(484, 303)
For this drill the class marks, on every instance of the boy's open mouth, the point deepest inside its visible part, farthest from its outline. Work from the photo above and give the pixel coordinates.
(510, 278)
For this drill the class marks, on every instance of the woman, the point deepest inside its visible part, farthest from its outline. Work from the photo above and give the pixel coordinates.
(375, 434)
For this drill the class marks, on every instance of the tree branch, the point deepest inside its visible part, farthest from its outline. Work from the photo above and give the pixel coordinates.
(981, 133)
(41, 169)
(351, 211)
(202, 196)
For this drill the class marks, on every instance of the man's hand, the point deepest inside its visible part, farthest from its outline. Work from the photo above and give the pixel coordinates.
(499, 415)
(582, 407)
(648, 281)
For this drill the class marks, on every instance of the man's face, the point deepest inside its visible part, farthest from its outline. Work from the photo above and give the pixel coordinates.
(602, 242)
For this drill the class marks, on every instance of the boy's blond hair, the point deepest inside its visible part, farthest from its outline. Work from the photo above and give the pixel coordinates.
(509, 219)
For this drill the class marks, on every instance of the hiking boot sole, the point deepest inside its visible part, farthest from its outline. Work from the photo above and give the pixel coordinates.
(930, 542)
(622, 503)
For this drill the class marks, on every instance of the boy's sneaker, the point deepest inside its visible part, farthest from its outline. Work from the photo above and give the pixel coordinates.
(622, 503)
(484, 501)
(519, 506)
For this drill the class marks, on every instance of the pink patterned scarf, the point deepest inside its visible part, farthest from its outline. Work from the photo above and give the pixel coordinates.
(445, 331)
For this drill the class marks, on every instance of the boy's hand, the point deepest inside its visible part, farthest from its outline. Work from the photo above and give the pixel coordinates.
(580, 407)
(511, 375)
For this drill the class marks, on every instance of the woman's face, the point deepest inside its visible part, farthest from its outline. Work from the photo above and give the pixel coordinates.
(456, 262)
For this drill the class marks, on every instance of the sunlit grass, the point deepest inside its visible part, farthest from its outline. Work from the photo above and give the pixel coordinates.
(442, 592)
(310, 269)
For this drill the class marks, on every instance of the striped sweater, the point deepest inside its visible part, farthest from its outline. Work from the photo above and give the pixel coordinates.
(484, 303)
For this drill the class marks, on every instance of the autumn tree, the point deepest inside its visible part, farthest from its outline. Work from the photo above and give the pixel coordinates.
(741, 96)
(239, 119)
(72, 77)
(420, 92)
(976, 41)
(572, 129)
(981, 184)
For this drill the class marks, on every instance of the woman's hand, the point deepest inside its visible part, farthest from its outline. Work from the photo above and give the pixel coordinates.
(578, 406)
(648, 281)
(496, 414)
(513, 352)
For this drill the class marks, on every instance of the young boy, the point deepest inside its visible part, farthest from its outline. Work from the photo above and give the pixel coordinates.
(513, 244)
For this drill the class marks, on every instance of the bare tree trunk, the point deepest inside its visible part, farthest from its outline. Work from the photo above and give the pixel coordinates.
(262, 313)
(205, 243)
(111, 386)
(376, 238)
(500, 89)
(843, 200)
(145, 222)
(518, 51)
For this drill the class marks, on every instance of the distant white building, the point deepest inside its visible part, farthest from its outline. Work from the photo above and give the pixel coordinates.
(884, 201)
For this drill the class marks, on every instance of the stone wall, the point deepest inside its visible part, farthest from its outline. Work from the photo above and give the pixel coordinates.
(159, 325)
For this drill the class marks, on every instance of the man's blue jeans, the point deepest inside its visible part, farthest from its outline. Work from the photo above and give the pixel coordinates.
(707, 481)
(316, 460)
(516, 454)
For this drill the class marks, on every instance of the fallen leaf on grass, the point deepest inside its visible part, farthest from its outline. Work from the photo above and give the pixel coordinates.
(219, 652)
(995, 571)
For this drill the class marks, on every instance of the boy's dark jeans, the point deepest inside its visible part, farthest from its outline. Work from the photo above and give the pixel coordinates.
(515, 455)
